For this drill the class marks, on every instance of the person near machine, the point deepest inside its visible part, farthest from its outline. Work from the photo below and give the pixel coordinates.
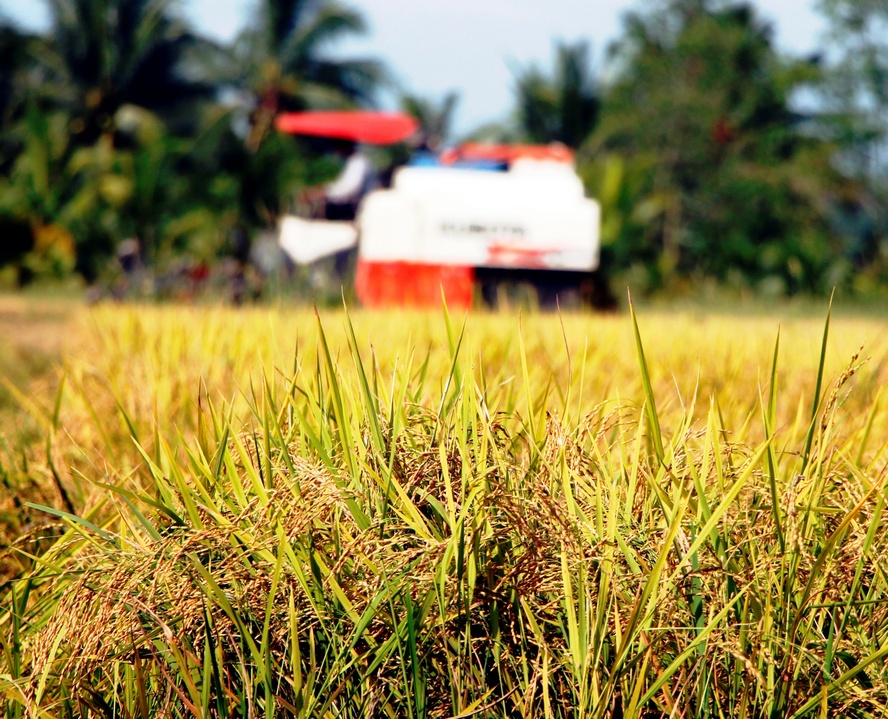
(343, 195)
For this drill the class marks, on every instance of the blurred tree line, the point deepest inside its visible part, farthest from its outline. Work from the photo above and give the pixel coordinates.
(715, 158)
(123, 122)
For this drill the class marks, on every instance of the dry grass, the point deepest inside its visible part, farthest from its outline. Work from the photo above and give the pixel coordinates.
(33, 331)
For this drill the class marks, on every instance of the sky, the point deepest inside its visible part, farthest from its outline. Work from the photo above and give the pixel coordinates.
(471, 46)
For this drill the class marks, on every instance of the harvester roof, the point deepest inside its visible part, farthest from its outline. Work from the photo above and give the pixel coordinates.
(370, 127)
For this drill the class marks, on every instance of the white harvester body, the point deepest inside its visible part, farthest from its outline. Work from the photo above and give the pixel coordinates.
(471, 218)
(532, 216)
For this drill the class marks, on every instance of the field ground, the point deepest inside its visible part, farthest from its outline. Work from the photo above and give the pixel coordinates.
(215, 512)
(32, 330)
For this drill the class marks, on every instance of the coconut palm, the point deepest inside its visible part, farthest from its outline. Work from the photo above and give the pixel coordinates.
(435, 119)
(563, 107)
(103, 54)
(280, 62)
(15, 59)
(15, 229)
(16, 82)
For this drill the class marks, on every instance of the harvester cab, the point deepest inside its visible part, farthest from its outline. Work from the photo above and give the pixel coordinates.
(470, 218)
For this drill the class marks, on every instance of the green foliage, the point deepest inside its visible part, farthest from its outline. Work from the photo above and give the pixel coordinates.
(18, 238)
(280, 60)
(563, 108)
(101, 55)
(857, 87)
(17, 63)
(51, 185)
(122, 122)
(94, 161)
(855, 99)
(435, 119)
(123, 139)
(701, 93)
(631, 214)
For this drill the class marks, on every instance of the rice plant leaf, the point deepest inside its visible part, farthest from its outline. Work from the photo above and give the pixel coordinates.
(868, 427)
(370, 399)
(815, 404)
(221, 451)
(453, 343)
(272, 593)
(650, 401)
(342, 424)
(690, 649)
(878, 657)
(770, 427)
(50, 661)
(127, 420)
(719, 511)
(454, 374)
(141, 691)
(220, 598)
(80, 521)
(142, 519)
(648, 592)
(136, 497)
(573, 632)
(825, 553)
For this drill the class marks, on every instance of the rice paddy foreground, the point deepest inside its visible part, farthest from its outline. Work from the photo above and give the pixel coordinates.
(257, 512)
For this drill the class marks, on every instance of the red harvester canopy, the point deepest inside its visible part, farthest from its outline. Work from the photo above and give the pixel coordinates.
(374, 128)
(507, 153)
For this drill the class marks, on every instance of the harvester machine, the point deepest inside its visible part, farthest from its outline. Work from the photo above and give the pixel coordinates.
(466, 222)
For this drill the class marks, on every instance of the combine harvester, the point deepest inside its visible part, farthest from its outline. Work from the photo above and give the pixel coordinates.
(474, 217)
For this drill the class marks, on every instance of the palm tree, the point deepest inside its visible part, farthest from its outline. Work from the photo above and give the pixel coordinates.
(15, 229)
(435, 120)
(561, 108)
(280, 61)
(17, 63)
(15, 58)
(104, 54)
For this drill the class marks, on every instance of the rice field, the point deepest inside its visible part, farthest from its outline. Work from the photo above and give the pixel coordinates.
(210, 512)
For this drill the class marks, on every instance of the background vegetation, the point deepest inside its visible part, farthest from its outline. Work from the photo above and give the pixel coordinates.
(716, 158)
